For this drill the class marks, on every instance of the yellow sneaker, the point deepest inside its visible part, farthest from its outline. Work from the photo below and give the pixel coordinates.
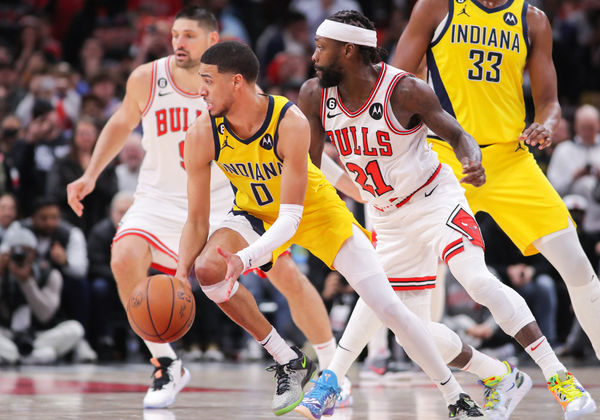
(503, 394)
(573, 398)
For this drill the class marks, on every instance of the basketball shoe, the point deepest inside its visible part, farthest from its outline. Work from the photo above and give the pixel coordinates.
(502, 394)
(169, 378)
(321, 399)
(291, 378)
(465, 408)
(573, 398)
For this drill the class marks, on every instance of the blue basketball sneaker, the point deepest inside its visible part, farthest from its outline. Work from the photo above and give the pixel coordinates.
(320, 401)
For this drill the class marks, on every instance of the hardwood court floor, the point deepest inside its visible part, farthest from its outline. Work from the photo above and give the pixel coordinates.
(234, 391)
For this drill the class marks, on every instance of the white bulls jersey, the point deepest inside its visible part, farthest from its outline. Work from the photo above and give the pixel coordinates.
(387, 161)
(169, 113)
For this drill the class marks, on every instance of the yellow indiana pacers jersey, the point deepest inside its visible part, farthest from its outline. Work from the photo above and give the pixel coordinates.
(254, 169)
(475, 65)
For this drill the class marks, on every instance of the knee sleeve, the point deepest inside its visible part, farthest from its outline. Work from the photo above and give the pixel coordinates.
(218, 292)
(446, 340)
(507, 307)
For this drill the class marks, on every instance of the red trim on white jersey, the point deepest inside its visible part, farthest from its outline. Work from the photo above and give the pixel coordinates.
(322, 113)
(172, 81)
(388, 120)
(453, 249)
(407, 198)
(152, 89)
(412, 283)
(166, 270)
(148, 237)
(371, 97)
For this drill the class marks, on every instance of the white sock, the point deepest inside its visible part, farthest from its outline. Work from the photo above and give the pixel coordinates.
(277, 348)
(484, 366)
(542, 354)
(450, 389)
(160, 350)
(325, 352)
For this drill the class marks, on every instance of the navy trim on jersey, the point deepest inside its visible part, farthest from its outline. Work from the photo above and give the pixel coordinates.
(438, 85)
(276, 137)
(215, 138)
(448, 22)
(261, 130)
(494, 9)
(257, 225)
(524, 25)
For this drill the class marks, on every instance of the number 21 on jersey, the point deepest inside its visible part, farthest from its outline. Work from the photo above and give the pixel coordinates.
(369, 178)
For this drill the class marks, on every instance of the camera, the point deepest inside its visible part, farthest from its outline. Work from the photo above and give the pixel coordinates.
(18, 255)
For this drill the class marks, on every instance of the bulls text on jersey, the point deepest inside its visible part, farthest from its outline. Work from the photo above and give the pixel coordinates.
(360, 146)
(173, 119)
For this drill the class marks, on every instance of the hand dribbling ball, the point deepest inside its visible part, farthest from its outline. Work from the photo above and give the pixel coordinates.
(161, 309)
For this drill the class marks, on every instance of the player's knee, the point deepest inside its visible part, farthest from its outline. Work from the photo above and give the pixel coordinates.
(285, 275)
(208, 272)
(119, 263)
(218, 292)
(446, 340)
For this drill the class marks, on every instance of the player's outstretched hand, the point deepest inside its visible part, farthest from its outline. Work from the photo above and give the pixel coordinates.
(234, 268)
(536, 135)
(474, 173)
(76, 191)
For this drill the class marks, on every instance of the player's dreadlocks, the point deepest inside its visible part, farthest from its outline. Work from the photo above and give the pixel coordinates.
(369, 55)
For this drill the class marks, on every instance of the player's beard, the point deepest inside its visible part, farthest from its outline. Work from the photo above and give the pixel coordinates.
(330, 76)
(187, 63)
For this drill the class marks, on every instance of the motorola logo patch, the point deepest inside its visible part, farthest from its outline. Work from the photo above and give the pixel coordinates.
(510, 19)
(376, 111)
(267, 142)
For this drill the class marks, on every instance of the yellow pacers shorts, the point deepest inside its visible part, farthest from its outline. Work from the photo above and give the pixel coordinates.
(516, 194)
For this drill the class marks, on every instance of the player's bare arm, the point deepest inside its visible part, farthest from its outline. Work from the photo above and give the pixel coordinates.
(114, 135)
(309, 102)
(198, 152)
(543, 81)
(412, 45)
(414, 102)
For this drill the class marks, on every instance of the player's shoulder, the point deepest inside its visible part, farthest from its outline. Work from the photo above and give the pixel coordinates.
(200, 128)
(309, 98)
(311, 87)
(536, 17)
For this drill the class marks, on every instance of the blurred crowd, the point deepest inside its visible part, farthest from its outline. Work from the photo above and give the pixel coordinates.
(63, 68)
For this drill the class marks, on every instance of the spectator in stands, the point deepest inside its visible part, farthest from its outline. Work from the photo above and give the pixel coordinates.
(71, 167)
(104, 87)
(45, 143)
(12, 147)
(8, 212)
(107, 310)
(575, 165)
(131, 157)
(62, 246)
(32, 329)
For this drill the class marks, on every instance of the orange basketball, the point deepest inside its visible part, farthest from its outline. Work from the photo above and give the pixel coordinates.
(161, 309)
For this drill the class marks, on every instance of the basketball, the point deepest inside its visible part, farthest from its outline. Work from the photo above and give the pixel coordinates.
(161, 309)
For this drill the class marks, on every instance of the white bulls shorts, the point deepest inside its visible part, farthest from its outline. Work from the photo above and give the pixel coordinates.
(160, 223)
(432, 225)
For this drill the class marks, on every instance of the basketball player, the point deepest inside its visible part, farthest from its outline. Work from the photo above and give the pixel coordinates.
(164, 96)
(377, 117)
(281, 198)
(476, 54)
